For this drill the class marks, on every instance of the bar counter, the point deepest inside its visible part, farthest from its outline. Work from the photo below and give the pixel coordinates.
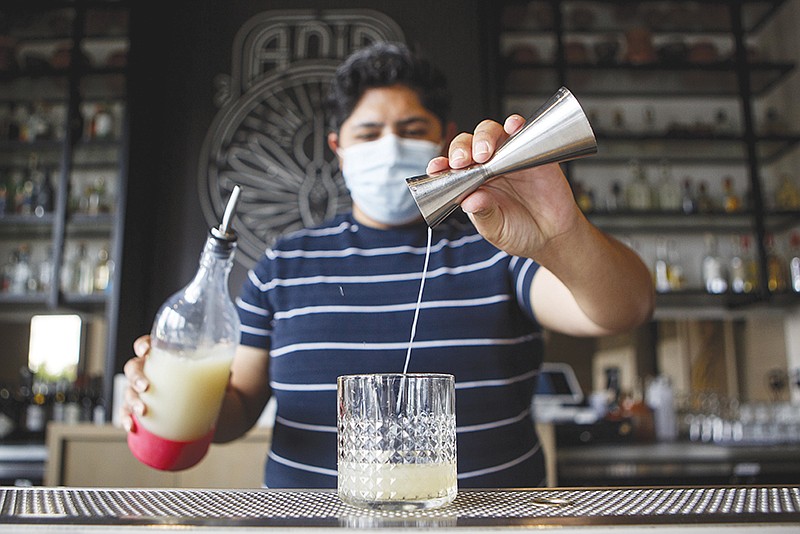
(747, 509)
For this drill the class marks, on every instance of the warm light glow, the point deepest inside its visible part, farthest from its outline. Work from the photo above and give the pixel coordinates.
(55, 345)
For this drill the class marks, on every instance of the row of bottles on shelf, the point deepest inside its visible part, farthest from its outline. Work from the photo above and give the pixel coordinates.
(27, 407)
(598, 16)
(43, 121)
(649, 120)
(670, 195)
(734, 272)
(27, 191)
(31, 192)
(82, 274)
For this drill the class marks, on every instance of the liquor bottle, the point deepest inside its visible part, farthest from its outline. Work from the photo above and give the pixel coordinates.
(615, 201)
(704, 203)
(670, 197)
(661, 268)
(44, 272)
(776, 273)
(688, 204)
(23, 199)
(613, 393)
(79, 274)
(103, 270)
(675, 272)
(20, 283)
(193, 340)
(714, 278)
(44, 197)
(794, 261)
(730, 201)
(102, 123)
(737, 271)
(639, 194)
(751, 278)
(39, 126)
(19, 128)
(787, 196)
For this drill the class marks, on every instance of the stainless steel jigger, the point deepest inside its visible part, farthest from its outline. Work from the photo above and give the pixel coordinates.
(558, 131)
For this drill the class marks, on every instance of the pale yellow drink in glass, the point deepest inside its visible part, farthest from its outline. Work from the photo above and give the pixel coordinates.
(398, 482)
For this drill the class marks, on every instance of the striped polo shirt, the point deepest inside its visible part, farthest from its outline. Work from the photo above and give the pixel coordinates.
(340, 298)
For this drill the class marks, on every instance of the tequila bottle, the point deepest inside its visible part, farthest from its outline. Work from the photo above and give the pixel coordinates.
(639, 193)
(776, 273)
(714, 278)
(731, 200)
(669, 190)
(794, 261)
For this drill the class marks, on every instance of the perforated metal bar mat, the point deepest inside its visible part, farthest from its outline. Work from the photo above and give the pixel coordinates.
(623, 506)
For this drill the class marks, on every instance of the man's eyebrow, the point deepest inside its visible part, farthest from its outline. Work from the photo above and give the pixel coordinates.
(401, 123)
(411, 120)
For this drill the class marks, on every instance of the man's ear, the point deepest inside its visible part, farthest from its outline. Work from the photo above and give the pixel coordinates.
(333, 142)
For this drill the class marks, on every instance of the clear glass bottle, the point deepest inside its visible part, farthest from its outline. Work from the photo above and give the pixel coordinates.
(704, 203)
(193, 340)
(103, 269)
(787, 195)
(794, 261)
(662, 267)
(776, 272)
(688, 204)
(670, 197)
(639, 194)
(731, 202)
(82, 272)
(751, 269)
(22, 271)
(737, 270)
(714, 278)
(102, 123)
(675, 273)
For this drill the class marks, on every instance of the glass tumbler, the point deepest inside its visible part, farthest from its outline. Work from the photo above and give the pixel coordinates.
(397, 440)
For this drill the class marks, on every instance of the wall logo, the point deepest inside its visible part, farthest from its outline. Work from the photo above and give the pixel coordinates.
(269, 135)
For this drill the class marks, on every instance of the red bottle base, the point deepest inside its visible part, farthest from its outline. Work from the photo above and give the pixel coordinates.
(165, 454)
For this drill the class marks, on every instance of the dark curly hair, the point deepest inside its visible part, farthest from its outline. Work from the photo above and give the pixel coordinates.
(383, 65)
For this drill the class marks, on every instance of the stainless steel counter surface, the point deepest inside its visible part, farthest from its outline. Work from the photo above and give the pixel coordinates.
(749, 509)
(678, 463)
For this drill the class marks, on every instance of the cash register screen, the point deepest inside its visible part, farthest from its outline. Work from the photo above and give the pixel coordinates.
(556, 382)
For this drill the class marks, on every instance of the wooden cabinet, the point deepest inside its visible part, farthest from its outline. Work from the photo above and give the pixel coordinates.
(87, 455)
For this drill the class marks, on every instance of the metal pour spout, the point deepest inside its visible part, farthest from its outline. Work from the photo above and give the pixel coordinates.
(222, 239)
(558, 131)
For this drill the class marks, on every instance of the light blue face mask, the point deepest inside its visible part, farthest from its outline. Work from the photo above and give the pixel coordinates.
(375, 172)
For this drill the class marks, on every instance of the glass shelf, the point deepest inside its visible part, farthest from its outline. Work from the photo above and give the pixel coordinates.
(650, 80)
(688, 147)
(657, 221)
(780, 220)
(682, 17)
(80, 225)
(26, 226)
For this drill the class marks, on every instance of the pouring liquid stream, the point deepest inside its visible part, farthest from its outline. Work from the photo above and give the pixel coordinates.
(419, 301)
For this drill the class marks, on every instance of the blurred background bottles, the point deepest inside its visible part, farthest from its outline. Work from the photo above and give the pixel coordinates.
(714, 273)
(668, 192)
(638, 195)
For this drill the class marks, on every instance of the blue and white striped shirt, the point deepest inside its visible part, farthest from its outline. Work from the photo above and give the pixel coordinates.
(339, 299)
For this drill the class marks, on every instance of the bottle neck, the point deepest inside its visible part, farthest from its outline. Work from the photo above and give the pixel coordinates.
(216, 262)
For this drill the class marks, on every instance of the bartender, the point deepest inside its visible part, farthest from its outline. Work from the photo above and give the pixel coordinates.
(339, 298)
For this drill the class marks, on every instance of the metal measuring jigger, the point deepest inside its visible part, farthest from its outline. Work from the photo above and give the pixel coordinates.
(558, 131)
